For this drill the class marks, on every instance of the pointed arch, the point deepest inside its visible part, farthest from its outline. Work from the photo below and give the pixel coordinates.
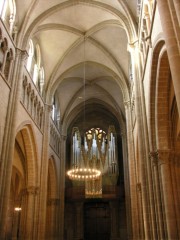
(152, 92)
(30, 146)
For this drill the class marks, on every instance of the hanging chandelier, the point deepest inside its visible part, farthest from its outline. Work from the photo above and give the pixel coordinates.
(84, 174)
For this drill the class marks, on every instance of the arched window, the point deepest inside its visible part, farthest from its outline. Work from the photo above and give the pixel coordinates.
(41, 80)
(53, 110)
(37, 62)
(34, 67)
(38, 56)
(35, 74)
(8, 12)
(56, 111)
(3, 7)
(30, 55)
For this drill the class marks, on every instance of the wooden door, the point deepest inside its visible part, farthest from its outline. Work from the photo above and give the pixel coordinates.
(97, 221)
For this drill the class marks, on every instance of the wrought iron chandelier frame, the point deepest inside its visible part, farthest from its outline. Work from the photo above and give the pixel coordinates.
(84, 174)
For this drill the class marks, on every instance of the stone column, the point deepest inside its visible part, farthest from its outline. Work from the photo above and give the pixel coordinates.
(158, 199)
(9, 138)
(79, 221)
(44, 174)
(167, 193)
(172, 45)
(144, 172)
(28, 210)
(131, 167)
(62, 186)
(127, 184)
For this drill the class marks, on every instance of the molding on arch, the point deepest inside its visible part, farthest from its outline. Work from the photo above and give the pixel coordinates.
(157, 46)
(26, 128)
(158, 39)
(56, 26)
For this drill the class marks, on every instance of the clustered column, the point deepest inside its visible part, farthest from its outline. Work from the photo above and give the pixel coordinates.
(132, 173)
(44, 174)
(164, 157)
(62, 186)
(158, 198)
(29, 218)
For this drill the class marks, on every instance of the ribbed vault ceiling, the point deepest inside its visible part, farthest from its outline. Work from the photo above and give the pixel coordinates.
(83, 47)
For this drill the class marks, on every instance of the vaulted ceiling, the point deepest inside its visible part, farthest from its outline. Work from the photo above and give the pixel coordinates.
(84, 49)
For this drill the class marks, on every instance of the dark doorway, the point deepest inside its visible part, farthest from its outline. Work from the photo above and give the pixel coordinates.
(97, 224)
